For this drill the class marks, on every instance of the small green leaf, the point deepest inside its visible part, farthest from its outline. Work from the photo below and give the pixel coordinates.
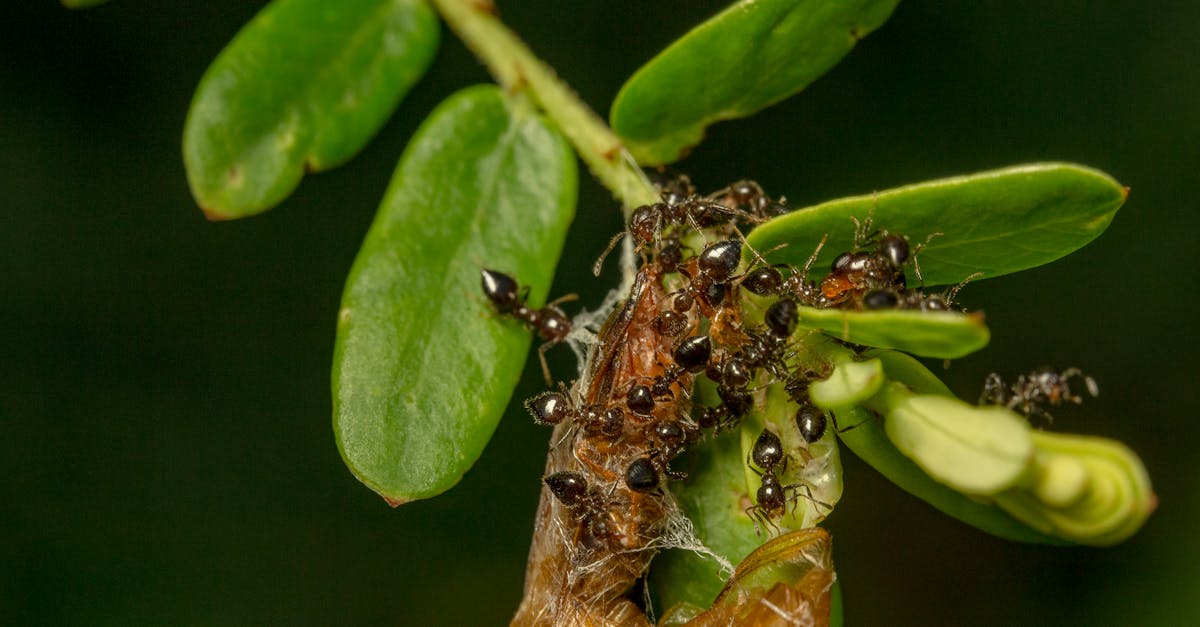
(82, 4)
(850, 383)
(746, 58)
(994, 222)
(304, 85)
(979, 451)
(423, 369)
(937, 334)
(864, 433)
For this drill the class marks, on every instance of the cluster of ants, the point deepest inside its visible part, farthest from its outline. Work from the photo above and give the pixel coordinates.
(639, 408)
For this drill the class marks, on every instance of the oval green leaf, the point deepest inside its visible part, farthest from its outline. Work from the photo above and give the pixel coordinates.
(864, 433)
(423, 369)
(994, 222)
(976, 450)
(937, 334)
(746, 58)
(304, 85)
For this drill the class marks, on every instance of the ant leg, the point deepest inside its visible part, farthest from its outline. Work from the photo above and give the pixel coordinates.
(853, 426)
(545, 367)
(565, 298)
(808, 496)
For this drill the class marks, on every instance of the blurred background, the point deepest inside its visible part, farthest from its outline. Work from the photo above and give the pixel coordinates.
(166, 455)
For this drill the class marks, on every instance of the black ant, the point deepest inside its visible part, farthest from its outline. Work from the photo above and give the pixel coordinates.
(648, 223)
(891, 298)
(550, 323)
(772, 497)
(690, 355)
(714, 267)
(1030, 391)
(588, 506)
(551, 408)
(749, 196)
(852, 274)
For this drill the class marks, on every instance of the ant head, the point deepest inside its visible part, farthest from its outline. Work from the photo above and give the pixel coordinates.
(644, 222)
(763, 281)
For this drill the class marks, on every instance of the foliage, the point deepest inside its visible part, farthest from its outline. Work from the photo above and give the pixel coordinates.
(489, 180)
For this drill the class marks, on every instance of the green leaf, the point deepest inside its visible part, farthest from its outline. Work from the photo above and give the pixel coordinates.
(304, 85)
(993, 222)
(938, 334)
(864, 433)
(748, 57)
(850, 383)
(976, 450)
(423, 368)
(82, 4)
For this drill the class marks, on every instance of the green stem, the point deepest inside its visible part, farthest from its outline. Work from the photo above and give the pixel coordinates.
(515, 67)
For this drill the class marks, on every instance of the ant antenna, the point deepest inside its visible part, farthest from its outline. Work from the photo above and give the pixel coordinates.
(952, 293)
(917, 265)
(607, 249)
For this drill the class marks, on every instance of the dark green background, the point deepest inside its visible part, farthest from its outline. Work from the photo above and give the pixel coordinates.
(166, 455)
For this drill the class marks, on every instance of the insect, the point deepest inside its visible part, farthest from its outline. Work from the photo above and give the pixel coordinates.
(879, 267)
(772, 497)
(549, 322)
(891, 298)
(1031, 392)
(551, 408)
(588, 506)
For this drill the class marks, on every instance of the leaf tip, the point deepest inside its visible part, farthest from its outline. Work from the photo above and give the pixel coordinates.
(213, 214)
(395, 502)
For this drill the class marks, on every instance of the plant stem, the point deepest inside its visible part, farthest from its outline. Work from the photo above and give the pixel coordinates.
(515, 67)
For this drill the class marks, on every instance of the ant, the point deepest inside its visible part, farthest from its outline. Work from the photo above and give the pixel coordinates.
(588, 506)
(550, 323)
(690, 355)
(854, 273)
(890, 298)
(707, 283)
(648, 223)
(749, 196)
(772, 496)
(1030, 391)
(551, 408)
